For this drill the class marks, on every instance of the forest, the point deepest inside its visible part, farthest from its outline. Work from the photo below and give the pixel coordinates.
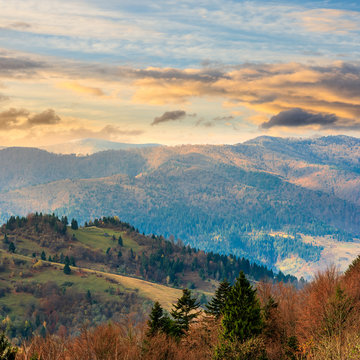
(268, 321)
(57, 273)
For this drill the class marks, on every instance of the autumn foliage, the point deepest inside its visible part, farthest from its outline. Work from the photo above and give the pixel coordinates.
(319, 321)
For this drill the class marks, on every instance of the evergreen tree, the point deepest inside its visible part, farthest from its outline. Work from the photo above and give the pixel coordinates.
(156, 321)
(120, 241)
(12, 247)
(7, 351)
(67, 269)
(74, 224)
(43, 255)
(242, 312)
(217, 303)
(185, 311)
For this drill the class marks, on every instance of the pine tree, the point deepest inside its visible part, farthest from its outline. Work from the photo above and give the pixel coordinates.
(43, 255)
(74, 224)
(156, 321)
(242, 312)
(67, 269)
(120, 241)
(217, 303)
(12, 247)
(185, 311)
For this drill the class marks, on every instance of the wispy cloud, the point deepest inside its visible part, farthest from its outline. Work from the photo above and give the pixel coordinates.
(81, 89)
(169, 116)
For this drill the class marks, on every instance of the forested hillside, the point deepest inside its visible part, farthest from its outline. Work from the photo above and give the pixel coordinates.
(63, 275)
(236, 198)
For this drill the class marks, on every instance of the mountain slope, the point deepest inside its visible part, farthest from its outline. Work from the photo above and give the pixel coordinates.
(224, 198)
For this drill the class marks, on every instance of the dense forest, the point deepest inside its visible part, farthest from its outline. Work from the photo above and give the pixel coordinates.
(272, 321)
(214, 198)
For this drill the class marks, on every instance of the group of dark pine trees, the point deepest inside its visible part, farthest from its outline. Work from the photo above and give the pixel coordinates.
(237, 304)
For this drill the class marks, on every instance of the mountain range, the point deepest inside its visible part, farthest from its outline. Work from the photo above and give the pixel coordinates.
(273, 200)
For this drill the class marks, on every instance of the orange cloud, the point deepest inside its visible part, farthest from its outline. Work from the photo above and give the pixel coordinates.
(264, 89)
(81, 89)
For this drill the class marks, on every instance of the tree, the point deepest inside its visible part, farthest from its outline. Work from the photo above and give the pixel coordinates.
(43, 255)
(185, 311)
(12, 247)
(7, 351)
(120, 241)
(216, 305)
(242, 312)
(156, 321)
(74, 224)
(67, 269)
(337, 314)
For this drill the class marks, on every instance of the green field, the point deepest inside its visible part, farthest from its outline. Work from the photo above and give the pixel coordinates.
(97, 238)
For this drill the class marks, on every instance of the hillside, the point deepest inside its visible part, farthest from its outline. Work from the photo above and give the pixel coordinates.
(115, 272)
(226, 198)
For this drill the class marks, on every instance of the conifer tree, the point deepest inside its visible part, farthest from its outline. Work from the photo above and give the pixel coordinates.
(43, 255)
(217, 303)
(156, 321)
(12, 247)
(185, 311)
(74, 224)
(67, 269)
(242, 312)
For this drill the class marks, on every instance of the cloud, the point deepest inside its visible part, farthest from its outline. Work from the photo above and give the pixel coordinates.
(268, 89)
(19, 67)
(169, 116)
(299, 117)
(329, 20)
(10, 118)
(113, 131)
(19, 25)
(82, 89)
(21, 119)
(214, 121)
(3, 97)
(47, 117)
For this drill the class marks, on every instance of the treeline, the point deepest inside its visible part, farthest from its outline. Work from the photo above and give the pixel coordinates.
(275, 321)
(157, 259)
(167, 259)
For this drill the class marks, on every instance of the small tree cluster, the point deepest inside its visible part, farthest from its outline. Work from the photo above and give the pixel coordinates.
(184, 312)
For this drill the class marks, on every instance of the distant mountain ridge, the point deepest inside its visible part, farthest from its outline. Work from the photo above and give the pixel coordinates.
(226, 198)
(91, 146)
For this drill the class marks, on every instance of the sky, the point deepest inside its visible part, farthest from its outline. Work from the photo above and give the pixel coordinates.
(177, 72)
